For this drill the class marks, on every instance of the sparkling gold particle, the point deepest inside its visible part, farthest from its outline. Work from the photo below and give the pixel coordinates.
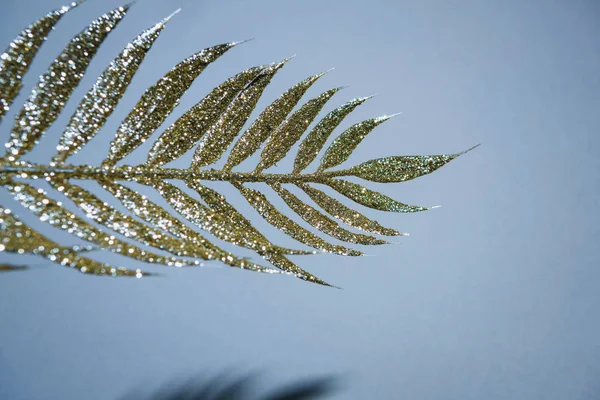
(401, 168)
(283, 223)
(17, 57)
(315, 140)
(347, 215)
(102, 99)
(160, 218)
(219, 204)
(267, 122)
(159, 101)
(49, 211)
(322, 222)
(16, 237)
(106, 215)
(290, 131)
(223, 132)
(56, 85)
(184, 133)
(370, 198)
(219, 225)
(345, 144)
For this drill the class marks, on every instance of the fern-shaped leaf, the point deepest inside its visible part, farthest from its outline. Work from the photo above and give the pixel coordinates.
(52, 212)
(315, 140)
(322, 222)
(267, 122)
(56, 85)
(219, 204)
(144, 230)
(290, 131)
(159, 217)
(17, 237)
(223, 132)
(347, 215)
(283, 223)
(345, 144)
(401, 168)
(183, 134)
(158, 102)
(370, 198)
(102, 99)
(16, 59)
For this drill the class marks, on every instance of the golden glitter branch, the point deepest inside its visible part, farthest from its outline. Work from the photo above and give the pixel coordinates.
(154, 234)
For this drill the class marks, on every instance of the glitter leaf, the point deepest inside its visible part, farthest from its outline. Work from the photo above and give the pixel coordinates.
(52, 212)
(159, 101)
(16, 59)
(346, 214)
(55, 86)
(280, 221)
(267, 122)
(345, 144)
(315, 140)
(223, 132)
(173, 234)
(370, 198)
(322, 222)
(290, 131)
(183, 134)
(401, 168)
(157, 216)
(102, 99)
(16, 237)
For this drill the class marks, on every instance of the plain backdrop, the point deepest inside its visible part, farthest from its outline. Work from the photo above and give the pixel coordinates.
(495, 295)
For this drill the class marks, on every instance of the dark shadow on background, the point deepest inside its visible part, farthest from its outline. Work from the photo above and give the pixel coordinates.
(227, 387)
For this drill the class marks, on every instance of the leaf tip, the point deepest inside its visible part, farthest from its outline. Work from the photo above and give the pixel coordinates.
(468, 150)
(174, 13)
(236, 43)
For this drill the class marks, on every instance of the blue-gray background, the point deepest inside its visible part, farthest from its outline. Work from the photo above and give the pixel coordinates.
(495, 295)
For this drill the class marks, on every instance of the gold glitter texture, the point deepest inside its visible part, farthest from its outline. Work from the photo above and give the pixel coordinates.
(290, 131)
(211, 126)
(56, 85)
(19, 54)
(223, 132)
(158, 102)
(345, 144)
(315, 140)
(267, 122)
(102, 99)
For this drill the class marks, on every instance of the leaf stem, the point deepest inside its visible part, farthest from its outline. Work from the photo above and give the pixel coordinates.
(141, 173)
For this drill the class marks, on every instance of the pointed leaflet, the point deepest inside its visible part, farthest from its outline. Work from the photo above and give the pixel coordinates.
(102, 99)
(220, 226)
(38, 202)
(267, 122)
(223, 132)
(16, 237)
(401, 168)
(315, 140)
(159, 217)
(7, 267)
(183, 134)
(288, 226)
(345, 214)
(343, 146)
(54, 88)
(15, 60)
(321, 221)
(281, 262)
(371, 199)
(158, 102)
(288, 133)
(220, 205)
(113, 219)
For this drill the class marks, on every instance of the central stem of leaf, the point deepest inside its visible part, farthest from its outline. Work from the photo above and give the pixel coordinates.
(141, 173)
